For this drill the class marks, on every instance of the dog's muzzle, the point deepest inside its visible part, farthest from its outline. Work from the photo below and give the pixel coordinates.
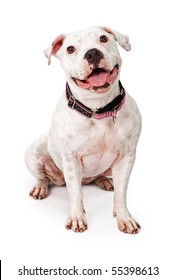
(99, 80)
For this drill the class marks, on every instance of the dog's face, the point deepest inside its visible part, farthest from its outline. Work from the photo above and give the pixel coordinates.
(90, 58)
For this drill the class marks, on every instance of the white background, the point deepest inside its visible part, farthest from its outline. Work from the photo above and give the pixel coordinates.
(32, 232)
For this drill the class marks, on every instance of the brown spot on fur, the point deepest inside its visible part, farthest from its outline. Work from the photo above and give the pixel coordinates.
(49, 170)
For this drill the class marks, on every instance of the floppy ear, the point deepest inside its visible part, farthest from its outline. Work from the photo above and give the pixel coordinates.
(55, 46)
(123, 40)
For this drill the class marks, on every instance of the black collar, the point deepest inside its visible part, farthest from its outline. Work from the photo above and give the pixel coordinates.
(110, 110)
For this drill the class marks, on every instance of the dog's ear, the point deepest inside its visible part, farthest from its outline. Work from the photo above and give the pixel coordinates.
(54, 47)
(123, 40)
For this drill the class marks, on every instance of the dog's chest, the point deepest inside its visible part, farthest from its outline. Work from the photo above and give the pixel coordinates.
(96, 143)
(99, 150)
(97, 137)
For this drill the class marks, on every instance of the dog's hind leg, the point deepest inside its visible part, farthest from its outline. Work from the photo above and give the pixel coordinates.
(104, 183)
(42, 167)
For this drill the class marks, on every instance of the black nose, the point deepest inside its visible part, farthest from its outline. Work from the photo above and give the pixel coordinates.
(93, 56)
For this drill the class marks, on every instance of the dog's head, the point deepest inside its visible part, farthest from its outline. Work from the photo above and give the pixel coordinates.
(90, 58)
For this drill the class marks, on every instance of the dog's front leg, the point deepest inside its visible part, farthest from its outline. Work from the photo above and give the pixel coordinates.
(73, 176)
(121, 171)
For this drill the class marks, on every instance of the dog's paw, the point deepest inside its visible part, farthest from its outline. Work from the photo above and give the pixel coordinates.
(128, 225)
(39, 192)
(77, 224)
(104, 183)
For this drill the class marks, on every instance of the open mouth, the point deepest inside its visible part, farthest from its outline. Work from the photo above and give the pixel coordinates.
(98, 79)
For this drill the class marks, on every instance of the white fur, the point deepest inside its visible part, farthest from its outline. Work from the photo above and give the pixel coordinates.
(81, 147)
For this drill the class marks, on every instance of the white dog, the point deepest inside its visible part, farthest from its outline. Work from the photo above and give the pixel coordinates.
(95, 126)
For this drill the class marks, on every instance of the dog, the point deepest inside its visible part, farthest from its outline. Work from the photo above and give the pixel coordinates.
(95, 127)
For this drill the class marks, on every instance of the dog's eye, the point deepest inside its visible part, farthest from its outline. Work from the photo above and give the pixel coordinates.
(71, 49)
(103, 39)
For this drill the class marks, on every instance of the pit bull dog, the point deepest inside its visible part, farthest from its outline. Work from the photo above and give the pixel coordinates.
(95, 126)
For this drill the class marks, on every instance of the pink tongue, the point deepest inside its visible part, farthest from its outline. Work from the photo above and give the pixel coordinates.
(99, 79)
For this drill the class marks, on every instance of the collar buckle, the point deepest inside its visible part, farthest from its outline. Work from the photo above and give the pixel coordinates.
(71, 100)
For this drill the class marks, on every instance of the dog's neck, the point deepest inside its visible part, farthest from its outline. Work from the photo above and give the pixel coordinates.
(94, 100)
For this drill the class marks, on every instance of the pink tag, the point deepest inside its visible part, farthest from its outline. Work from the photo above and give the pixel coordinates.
(104, 115)
(110, 113)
